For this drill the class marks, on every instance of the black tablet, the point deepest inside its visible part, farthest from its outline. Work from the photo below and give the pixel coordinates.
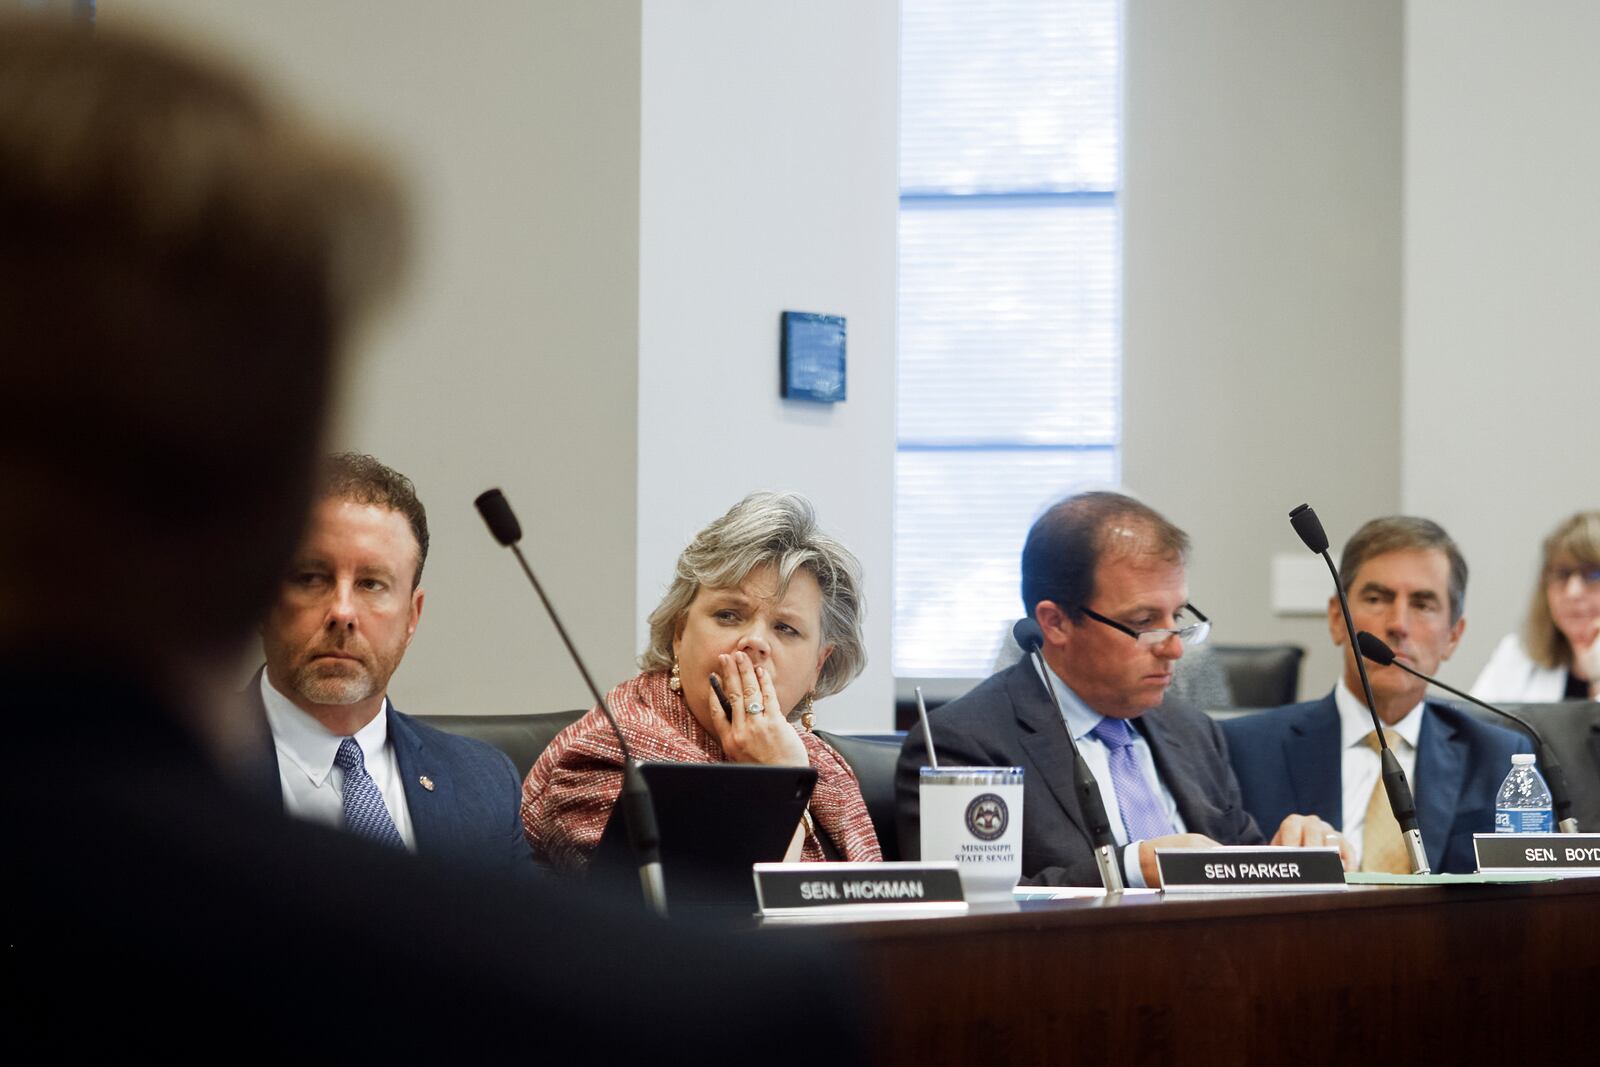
(716, 820)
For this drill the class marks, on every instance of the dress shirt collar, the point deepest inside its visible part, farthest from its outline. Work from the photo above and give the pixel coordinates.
(306, 743)
(1355, 722)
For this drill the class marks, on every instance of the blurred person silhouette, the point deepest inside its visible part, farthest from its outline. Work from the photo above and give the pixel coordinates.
(182, 261)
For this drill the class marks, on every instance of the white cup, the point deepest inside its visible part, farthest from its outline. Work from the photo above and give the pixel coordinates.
(973, 815)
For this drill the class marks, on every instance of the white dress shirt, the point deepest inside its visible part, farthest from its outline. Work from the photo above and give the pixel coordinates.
(1361, 767)
(1081, 721)
(313, 788)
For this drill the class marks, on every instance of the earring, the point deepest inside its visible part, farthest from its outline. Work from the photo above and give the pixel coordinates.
(675, 683)
(807, 715)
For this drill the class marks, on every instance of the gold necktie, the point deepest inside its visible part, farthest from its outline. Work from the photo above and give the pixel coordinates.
(1382, 846)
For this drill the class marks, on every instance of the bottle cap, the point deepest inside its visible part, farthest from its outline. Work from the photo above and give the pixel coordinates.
(1522, 759)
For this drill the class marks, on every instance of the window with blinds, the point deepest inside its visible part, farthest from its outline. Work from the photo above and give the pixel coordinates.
(1010, 352)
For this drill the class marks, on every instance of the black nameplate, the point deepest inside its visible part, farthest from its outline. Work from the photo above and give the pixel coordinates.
(796, 887)
(1254, 870)
(1577, 853)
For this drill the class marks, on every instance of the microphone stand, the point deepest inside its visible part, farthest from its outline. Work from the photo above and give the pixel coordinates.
(1309, 528)
(1089, 800)
(1554, 776)
(638, 814)
(1102, 840)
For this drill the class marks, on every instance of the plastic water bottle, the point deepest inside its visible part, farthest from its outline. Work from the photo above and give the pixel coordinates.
(1524, 805)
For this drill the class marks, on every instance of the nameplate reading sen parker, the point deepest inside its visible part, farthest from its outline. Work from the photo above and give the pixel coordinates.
(792, 888)
(1254, 869)
(1552, 853)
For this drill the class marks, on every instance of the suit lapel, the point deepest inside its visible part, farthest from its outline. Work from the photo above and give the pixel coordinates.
(1173, 770)
(1312, 753)
(265, 776)
(1045, 738)
(1441, 769)
(428, 806)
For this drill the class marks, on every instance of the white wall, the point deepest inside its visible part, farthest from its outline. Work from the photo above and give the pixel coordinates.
(1501, 417)
(1262, 286)
(617, 200)
(769, 184)
(511, 360)
(593, 321)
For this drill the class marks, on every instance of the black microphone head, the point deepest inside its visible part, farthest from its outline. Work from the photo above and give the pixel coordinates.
(1309, 527)
(496, 512)
(1027, 634)
(1374, 649)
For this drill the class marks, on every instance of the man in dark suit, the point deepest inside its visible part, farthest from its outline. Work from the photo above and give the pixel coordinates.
(181, 263)
(346, 611)
(1407, 583)
(1103, 575)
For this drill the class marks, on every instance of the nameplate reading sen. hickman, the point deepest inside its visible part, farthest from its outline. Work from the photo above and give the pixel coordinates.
(1250, 870)
(1550, 853)
(790, 888)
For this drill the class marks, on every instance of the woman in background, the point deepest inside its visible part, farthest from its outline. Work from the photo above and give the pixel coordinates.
(772, 606)
(1557, 656)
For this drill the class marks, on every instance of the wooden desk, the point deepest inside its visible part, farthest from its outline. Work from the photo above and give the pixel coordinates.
(1422, 974)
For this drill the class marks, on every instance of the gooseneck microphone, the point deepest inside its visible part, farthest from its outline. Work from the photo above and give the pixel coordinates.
(1309, 528)
(638, 814)
(1030, 637)
(1380, 653)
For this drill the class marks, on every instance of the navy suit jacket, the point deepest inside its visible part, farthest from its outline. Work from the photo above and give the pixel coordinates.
(1009, 720)
(473, 813)
(1288, 760)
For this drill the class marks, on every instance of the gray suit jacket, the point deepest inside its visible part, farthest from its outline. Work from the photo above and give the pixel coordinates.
(1009, 720)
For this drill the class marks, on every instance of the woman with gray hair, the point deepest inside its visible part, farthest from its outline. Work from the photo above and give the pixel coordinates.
(769, 606)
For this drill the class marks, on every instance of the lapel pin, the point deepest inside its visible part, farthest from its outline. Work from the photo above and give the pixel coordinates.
(427, 783)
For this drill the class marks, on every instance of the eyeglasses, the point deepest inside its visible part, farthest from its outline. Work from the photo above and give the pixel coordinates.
(1563, 575)
(1190, 633)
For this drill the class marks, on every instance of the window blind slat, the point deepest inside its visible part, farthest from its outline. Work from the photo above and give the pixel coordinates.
(1010, 286)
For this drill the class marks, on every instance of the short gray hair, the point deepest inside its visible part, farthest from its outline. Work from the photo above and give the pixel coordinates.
(778, 529)
(1398, 533)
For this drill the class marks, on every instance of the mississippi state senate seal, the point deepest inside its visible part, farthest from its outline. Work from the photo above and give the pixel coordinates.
(987, 816)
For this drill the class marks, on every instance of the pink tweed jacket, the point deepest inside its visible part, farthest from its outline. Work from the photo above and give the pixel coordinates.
(571, 790)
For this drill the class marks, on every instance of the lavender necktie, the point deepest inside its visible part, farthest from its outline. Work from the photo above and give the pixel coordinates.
(364, 811)
(1144, 816)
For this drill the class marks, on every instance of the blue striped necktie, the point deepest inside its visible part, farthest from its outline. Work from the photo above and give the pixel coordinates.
(1144, 816)
(364, 810)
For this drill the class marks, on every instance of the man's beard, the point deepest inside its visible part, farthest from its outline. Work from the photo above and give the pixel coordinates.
(341, 688)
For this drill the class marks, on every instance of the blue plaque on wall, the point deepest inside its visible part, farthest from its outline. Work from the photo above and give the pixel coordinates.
(813, 357)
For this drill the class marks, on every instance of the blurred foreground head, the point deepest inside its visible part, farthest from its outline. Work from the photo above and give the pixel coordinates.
(181, 262)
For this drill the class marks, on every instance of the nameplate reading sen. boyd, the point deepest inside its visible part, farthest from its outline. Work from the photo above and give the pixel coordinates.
(1553, 853)
(1250, 870)
(794, 888)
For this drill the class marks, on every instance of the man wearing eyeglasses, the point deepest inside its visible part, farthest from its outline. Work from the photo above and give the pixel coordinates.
(1407, 584)
(1104, 577)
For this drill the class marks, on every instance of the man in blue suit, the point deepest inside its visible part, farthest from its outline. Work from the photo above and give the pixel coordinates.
(1406, 582)
(345, 613)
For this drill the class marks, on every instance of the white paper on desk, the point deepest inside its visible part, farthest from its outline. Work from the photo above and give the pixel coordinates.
(1068, 892)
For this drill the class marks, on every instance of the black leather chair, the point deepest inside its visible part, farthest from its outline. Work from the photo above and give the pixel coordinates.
(1572, 730)
(522, 737)
(873, 759)
(1261, 676)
